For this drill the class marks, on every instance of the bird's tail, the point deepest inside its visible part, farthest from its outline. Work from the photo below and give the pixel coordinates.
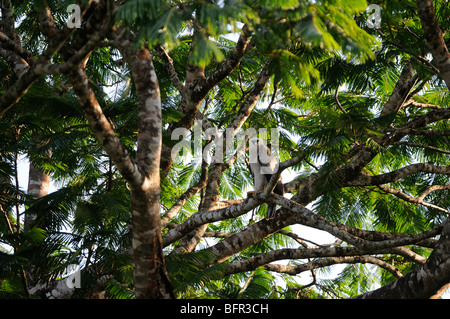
(271, 209)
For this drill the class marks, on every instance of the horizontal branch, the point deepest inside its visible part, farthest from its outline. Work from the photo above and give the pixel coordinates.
(18, 89)
(202, 218)
(103, 129)
(288, 253)
(328, 256)
(422, 121)
(308, 218)
(329, 261)
(293, 213)
(367, 180)
(411, 199)
(432, 277)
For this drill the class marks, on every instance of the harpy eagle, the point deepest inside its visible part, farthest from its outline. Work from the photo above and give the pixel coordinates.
(262, 166)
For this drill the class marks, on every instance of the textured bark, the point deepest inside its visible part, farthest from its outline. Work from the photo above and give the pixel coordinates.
(364, 243)
(426, 281)
(38, 185)
(150, 275)
(142, 174)
(210, 202)
(56, 42)
(206, 217)
(365, 180)
(435, 38)
(404, 85)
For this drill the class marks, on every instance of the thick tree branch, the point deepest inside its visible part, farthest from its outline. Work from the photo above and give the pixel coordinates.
(435, 38)
(363, 155)
(103, 129)
(202, 218)
(400, 93)
(13, 47)
(233, 60)
(197, 87)
(57, 40)
(345, 233)
(367, 180)
(150, 275)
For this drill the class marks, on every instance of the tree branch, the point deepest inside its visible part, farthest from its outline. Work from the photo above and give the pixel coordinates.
(170, 68)
(435, 38)
(12, 46)
(367, 180)
(294, 213)
(230, 63)
(404, 85)
(432, 277)
(103, 129)
(411, 199)
(211, 198)
(170, 213)
(206, 217)
(329, 261)
(202, 218)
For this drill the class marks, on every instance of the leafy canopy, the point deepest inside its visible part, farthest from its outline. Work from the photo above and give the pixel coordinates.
(330, 77)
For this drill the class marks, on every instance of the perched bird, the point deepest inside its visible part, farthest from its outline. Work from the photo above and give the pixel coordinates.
(262, 166)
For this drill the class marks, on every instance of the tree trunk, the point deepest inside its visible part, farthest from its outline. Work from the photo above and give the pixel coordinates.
(150, 276)
(38, 185)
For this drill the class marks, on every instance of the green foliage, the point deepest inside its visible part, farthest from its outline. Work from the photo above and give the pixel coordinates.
(330, 77)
